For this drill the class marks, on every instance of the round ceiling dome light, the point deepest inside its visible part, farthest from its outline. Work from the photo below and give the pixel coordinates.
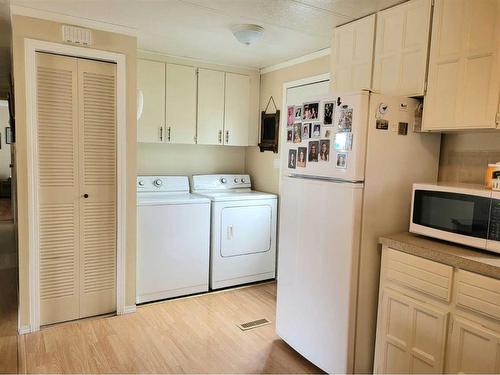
(247, 34)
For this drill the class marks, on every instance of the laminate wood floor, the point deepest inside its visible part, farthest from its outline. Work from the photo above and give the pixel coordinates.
(190, 335)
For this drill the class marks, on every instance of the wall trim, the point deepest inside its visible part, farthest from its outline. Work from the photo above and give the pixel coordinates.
(24, 330)
(20, 10)
(31, 46)
(129, 309)
(296, 61)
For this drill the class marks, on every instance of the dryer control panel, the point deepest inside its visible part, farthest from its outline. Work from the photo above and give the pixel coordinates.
(221, 181)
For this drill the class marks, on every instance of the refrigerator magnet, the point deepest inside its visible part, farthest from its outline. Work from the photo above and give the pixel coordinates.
(328, 110)
(313, 151)
(298, 113)
(341, 160)
(290, 116)
(382, 124)
(297, 133)
(301, 157)
(306, 130)
(324, 150)
(310, 111)
(292, 158)
(345, 119)
(316, 130)
(289, 136)
(343, 141)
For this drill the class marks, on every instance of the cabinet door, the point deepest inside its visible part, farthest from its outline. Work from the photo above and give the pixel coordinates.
(210, 107)
(464, 66)
(352, 57)
(473, 349)
(402, 41)
(180, 104)
(236, 110)
(411, 335)
(151, 82)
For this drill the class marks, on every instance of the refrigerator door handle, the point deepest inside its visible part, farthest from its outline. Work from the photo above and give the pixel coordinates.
(326, 179)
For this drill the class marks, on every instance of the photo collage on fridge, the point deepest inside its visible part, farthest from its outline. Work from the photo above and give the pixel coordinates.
(312, 126)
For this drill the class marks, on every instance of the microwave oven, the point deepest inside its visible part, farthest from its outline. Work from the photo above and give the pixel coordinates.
(465, 214)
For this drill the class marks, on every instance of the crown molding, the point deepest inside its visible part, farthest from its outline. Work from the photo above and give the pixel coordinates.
(297, 60)
(67, 19)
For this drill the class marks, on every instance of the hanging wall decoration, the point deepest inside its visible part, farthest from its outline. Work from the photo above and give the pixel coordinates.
(269, 128)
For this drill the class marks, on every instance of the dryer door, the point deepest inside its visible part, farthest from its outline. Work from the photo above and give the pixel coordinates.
(245, 230)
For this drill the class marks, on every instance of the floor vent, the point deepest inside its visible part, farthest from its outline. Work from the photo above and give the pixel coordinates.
(253, 324)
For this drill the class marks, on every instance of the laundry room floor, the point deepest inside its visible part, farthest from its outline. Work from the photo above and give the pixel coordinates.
(190, 335)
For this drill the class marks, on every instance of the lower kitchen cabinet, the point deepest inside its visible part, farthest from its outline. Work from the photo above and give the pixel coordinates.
(411, 337)
(473, 348)
(434, 318)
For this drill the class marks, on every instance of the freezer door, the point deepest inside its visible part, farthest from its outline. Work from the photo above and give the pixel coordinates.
(330, 148)
(317, 270)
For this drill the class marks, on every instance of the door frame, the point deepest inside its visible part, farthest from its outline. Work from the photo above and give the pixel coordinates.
(31, 47)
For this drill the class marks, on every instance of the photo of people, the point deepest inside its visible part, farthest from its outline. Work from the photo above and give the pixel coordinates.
(297, 133)
(291, 116)
(292, 158)
(345, 119)
(341, 160)
(289, 135)
(310, 111)
(301, 157)
(298, 113)
(327, 133)
(306, 130)
(316, 133)
(313, 151)
(328, 113)
(324, 150)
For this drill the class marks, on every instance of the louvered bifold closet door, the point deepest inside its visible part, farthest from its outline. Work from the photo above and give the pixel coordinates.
(97, 119)
(58, 187)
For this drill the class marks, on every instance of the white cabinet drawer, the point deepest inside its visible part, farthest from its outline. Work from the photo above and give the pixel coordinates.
(478, 293)
(425, 276)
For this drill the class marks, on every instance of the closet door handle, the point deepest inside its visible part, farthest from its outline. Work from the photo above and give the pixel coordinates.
(161, 133)
(220, 136)
(168, 133)
(227, 136)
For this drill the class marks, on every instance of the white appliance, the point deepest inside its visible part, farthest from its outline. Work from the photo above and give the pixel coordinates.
(243, 243)
(466, 214)
(173, 238)
(332, 213)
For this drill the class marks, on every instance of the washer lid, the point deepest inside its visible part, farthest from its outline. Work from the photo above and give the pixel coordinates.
(158, 199)
(237, 196)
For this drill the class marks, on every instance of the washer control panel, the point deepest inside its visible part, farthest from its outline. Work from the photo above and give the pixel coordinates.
(162, 183)
(221, 181)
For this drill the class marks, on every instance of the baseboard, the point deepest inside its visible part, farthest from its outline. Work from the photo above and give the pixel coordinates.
(24, 330)
(129, 309)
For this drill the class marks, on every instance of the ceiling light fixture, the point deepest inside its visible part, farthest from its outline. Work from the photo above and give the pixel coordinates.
(247, 34)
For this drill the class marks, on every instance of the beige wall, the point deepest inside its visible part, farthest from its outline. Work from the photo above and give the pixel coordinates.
(26, 27)
(465, 156)
(5, 148)
(157, 159)
(261, 165)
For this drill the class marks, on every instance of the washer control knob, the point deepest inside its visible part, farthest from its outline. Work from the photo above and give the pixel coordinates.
(243, 181)
(236, 181)
(223, 180)
(141, 183)
(158, 182)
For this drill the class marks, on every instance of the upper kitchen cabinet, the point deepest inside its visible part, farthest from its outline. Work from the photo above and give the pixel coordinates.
(236, 109)
(464, 66)
(210, 107)
(352, 55)
(401, 48)
(151, 85)
(180, 99)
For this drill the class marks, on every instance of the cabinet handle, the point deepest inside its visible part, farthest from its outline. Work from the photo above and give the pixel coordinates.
(220, 136)
(227, 136)
(161, 133)
(168, 134)
(229, 232)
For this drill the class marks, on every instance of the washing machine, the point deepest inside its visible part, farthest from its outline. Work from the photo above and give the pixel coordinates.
(173, 239)
(243, 229)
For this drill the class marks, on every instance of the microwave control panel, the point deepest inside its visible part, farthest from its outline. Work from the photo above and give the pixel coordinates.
(494, 230)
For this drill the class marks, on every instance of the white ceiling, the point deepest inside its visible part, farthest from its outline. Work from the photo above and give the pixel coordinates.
(200, 29)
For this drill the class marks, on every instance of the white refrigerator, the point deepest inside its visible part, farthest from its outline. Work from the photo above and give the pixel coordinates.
(334, 205)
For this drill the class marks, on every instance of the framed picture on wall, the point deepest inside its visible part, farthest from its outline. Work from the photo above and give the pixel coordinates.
(8, 135)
